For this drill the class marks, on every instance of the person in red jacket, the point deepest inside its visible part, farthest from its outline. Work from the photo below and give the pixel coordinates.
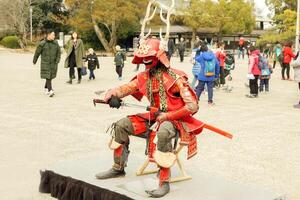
(253, 72)
(287, 58)
(221, 55)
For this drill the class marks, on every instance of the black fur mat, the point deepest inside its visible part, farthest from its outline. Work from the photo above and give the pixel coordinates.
(67, 188)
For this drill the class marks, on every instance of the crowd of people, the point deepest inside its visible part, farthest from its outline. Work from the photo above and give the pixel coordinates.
(173, 101)
(219, 63)
(211, 64)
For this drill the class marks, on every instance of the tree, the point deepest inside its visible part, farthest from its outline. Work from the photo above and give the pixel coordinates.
(278, 6)
(235, 16)
(227, 16)
(110, 19)
(49, 14)
(17, 16)
(284, 19)
(46, 14)
(198, 14)
(285, 31)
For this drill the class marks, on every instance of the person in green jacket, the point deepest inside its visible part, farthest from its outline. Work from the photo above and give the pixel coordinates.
(120, 58)
(75, 56)
(50, 57)
(277, 54)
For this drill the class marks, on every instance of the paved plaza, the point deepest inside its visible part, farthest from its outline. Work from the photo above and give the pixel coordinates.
(37, 132)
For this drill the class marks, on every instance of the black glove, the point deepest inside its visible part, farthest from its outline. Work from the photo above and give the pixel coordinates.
(114, 102)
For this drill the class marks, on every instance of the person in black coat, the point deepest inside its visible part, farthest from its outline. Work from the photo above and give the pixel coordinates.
(171, 48)
(93, 63)
(181, 49)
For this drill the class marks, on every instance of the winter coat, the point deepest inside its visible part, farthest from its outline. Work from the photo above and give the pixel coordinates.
(119, 59)
(181, 47)
(288, 55)
(171, 47)
(221, 55)
(253, 63)
(207, 56)
(50, 57)
(79, 53)
(92, 61)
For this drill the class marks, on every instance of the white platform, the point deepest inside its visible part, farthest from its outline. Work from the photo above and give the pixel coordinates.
(203, 186)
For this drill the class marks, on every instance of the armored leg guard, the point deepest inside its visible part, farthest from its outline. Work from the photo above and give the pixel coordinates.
(164, 186)
(120, 159)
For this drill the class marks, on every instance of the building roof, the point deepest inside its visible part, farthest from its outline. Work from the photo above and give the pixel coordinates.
(177, 29)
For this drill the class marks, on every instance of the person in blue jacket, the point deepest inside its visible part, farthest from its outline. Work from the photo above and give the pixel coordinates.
(209, 71)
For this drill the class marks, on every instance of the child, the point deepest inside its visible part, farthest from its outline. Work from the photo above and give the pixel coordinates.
(196, 65)
(93, 62)
(221, 56)
(120, 57)
(265, 76)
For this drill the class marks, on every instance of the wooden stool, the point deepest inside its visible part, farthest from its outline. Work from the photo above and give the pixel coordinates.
(182, 177)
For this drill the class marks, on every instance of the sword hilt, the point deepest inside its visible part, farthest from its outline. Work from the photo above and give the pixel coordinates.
(95, 101)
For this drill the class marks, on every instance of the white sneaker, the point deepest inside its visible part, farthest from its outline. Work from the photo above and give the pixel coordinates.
(46, 91)
(51, 93)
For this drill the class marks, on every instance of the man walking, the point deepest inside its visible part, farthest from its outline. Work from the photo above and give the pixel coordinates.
(181, 49)
(171, 48)
(50, 57)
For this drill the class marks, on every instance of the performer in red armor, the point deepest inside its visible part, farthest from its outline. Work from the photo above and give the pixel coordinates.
(167, 89)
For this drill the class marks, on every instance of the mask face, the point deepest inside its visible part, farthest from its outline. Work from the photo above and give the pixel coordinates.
(150, 62)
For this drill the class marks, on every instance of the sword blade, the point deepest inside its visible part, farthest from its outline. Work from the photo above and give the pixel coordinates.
(133, 105)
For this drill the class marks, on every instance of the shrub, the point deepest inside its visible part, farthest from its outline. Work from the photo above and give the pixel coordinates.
(10, 42)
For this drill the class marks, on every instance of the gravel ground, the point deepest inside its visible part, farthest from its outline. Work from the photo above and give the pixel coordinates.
(37, 131)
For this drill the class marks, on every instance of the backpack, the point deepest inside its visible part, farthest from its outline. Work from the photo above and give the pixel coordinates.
(263, 65)
(210, 66)
(262, 62)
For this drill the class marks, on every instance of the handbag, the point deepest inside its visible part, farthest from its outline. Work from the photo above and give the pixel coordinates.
(296, 63)
(250, 77)
(83, 71)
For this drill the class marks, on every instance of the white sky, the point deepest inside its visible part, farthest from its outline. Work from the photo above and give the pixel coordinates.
(260, 5)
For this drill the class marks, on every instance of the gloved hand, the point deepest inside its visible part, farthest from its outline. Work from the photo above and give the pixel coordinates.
(114, 102)
(162, 117)
(109, 94)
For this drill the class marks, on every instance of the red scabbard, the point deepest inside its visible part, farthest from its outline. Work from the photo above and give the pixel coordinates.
(217, 130)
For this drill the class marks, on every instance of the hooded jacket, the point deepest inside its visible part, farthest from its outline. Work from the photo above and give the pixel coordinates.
(207, 56)
(287, 55)
(253, 63)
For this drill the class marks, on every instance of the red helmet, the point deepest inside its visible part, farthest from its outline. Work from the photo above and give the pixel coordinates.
(150, 49)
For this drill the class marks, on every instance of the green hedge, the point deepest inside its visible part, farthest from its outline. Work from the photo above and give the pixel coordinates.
(10, 42)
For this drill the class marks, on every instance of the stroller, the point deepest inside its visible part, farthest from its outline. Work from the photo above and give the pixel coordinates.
(229, 64)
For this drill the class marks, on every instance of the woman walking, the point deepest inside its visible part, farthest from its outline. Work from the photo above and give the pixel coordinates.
(50, 57)
(75, 55)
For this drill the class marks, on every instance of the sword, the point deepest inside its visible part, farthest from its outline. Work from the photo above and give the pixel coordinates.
(155, 126)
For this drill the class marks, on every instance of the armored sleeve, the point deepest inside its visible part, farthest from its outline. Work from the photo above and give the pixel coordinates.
(188, 97)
